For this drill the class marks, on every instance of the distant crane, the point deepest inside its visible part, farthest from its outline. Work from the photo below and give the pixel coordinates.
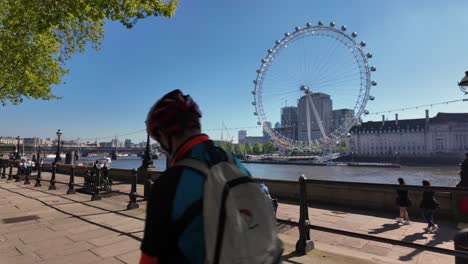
(228, 136)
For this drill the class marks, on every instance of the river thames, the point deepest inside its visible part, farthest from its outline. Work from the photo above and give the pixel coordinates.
(437, 175)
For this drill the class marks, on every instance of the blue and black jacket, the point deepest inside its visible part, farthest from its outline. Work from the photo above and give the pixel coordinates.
(174, 221)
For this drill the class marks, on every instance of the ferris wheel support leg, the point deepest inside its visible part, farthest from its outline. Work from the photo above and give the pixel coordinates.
(317, 117)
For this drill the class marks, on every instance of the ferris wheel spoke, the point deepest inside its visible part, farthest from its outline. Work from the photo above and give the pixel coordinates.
(348, 68)
(344, 79)
(324, 59)
(331, 71)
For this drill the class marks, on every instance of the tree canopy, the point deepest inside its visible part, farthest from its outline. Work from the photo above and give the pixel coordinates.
(37, 37)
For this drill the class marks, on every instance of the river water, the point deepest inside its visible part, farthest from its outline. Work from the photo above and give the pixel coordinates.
(438, 175)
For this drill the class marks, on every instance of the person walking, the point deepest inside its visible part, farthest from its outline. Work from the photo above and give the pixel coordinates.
(464, 172)
(429, 204)
(403, 202)
(183, 213)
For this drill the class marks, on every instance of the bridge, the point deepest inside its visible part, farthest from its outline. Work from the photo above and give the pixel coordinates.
(84, 150)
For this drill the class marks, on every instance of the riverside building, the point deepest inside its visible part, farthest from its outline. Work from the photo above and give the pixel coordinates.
(442, 136)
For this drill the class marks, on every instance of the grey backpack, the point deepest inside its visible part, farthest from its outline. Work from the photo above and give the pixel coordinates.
(239, 221)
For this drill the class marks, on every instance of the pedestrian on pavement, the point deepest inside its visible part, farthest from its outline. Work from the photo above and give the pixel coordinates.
(184, 220)
(464, 172)
(429, 205)
(403, 202)
(274, 201)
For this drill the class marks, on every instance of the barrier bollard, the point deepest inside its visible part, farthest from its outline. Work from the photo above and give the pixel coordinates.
(460, 242)
(52, 178)
(304, 244)
(3, 171)
(26, 177)
(17, 179)
(133, 192)
(71, 184)
(97, 184)
(10, 173)
(38, 177)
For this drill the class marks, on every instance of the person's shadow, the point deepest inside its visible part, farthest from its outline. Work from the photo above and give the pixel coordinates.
(384, 228)
(438, 238)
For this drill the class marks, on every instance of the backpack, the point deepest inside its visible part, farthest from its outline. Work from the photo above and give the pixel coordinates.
(239, 221)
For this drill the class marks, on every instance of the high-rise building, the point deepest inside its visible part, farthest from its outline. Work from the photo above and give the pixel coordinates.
(341, 117)
(289, 122)
(323, 105)
(241, 135)
(289, 116)
(128, 143)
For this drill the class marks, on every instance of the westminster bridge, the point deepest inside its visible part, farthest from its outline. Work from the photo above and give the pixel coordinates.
(66, 148)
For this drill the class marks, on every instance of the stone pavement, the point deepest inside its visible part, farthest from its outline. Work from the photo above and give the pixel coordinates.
(72, 229)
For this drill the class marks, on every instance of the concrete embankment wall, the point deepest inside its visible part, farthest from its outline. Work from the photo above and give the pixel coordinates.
(369, 196)
(376, 197)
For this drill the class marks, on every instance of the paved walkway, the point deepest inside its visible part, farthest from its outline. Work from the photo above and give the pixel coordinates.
(72, 229)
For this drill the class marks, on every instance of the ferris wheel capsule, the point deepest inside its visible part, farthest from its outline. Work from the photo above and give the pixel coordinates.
(332, 24)
(253, 92)
(277, 42)
(297, 29)
(255, 81)
(255, 113)
(354, 34)
(309, 25)
(343, 28)
(320, 23)
(366, 112)
(372, 98)
(369, 55)
(363, 43)
(253, 103)
(374, 83)
(372, 68)
(264, 60)
(259, 123)
(258, 71)
(270, 50)
(287, 34)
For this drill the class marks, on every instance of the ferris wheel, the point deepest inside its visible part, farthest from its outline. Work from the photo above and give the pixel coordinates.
(313, 86)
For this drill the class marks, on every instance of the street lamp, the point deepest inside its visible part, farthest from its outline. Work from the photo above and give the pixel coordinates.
(57, 155)
(463, 84)
(17, 148)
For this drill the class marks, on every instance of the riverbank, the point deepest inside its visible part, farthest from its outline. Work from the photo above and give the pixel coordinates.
(328, 163)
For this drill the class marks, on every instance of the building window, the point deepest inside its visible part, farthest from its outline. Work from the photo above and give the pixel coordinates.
(439, 144)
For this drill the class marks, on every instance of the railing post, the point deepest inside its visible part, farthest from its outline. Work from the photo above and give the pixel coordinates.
(28, 174)
(3, 170)
(304, 244)
(52, 178)
(71, 184)
(10, 172)
(133, 192)
(460, 242)
(147, 186)
(38, 177)
(18, 173)
(97, 184)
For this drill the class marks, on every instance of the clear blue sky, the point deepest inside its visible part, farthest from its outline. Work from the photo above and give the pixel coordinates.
(211, 49)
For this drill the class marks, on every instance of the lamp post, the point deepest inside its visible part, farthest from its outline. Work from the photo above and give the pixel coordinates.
(57, 155)
(463, 84)
(17, 148)
(146, 167)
